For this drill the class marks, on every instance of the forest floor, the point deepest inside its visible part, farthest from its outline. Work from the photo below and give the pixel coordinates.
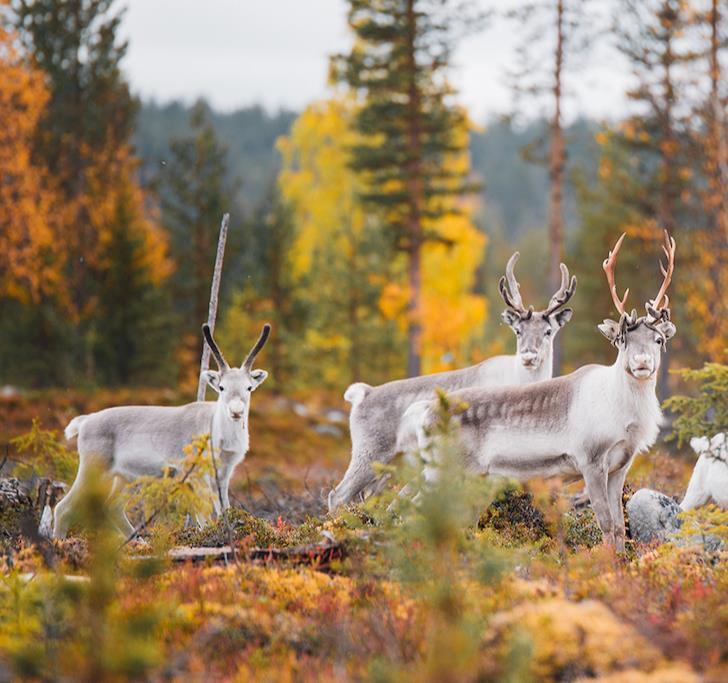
(456, 590)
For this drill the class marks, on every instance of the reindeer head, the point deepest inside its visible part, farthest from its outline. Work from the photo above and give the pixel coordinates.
(234, 385)
(535, 330)
(640, 340)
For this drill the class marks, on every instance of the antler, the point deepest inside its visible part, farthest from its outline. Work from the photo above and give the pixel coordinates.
(565, 292)
(669, 248)
(221, 362)
(248, 363)
(512, 294)
(608, 267)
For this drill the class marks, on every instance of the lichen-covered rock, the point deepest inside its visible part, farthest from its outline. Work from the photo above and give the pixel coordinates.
(652, 516)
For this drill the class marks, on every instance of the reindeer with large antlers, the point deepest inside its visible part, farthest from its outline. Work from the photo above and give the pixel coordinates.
(590, 423)
(131, 441)
(376, 411)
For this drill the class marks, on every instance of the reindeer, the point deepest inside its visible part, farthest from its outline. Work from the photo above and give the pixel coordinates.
(709, 481)
(589, 424)
(131, 441)
(376, 411)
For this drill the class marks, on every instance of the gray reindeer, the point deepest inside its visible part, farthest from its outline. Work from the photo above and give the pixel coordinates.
(132, 441)
(376, 411)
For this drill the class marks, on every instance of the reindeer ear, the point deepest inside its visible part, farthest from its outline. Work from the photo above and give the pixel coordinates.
(258, 377)
(610, 330)
(667, 328)
(212, 377)
(510, 317)
(563, 316)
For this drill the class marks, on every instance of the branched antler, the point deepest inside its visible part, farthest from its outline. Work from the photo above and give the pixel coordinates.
(669, 248)
(564, 293)
(608, 267)
(512, 294)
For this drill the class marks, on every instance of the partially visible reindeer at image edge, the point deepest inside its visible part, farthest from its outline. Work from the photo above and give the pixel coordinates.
(132, 441)
(376, 411)
(590, 423)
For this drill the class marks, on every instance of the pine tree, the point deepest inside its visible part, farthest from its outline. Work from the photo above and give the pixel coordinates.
(553, 37)
(399, 65)
(194, 195)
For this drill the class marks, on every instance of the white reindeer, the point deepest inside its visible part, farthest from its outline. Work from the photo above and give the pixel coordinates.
(376, 411)
(131, 441)
(590, 423)
(709, 480)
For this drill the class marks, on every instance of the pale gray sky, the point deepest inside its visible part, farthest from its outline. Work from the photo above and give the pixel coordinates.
(274, 52)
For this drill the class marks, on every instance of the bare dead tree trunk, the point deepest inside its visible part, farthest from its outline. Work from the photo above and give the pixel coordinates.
(212, 310)
(557, 161)
(415, 192)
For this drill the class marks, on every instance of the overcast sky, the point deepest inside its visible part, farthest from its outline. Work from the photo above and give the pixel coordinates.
(274, 52)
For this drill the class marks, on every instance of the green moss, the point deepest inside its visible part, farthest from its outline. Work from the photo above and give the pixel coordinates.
(242, 526)
(581, 529)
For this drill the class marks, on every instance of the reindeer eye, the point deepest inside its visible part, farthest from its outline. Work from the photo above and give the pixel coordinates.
(660, 341)
(518, 333)
(222, 388)
(548, 333)
(250, 388)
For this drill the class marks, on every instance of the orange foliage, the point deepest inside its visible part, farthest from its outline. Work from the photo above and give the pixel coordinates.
(29, 259)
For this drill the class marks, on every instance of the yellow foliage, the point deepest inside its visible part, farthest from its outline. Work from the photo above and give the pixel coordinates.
(317, 181)
(568, 636)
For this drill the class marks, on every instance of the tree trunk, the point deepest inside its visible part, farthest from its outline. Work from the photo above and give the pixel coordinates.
(415, 192)
(717, 147)
(557, 160)
(668, 185)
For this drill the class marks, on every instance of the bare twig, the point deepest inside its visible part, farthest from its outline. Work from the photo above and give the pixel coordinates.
(212, 311)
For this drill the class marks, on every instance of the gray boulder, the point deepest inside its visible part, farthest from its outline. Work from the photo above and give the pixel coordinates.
(652, 516)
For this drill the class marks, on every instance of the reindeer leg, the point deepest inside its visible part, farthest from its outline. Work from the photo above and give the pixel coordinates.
(615, 488)
(66, 505)
(596, 486)
(117, 507)
(358, 476)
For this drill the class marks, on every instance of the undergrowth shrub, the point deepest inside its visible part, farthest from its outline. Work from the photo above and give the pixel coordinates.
(44, 452)
(705, 414)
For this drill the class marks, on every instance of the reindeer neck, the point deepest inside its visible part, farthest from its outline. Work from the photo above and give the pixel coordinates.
(226, 434)
(528, 376)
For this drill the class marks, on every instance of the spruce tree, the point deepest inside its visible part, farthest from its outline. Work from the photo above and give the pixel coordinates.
(399, 66)
(194, 194)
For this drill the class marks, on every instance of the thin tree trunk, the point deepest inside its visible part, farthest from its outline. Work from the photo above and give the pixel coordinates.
(718, 148)
(415, 192)
(212, 309)
(557, 160)
(668, 185)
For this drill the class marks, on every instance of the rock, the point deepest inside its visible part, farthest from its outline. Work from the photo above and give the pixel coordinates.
(652, 516)
(328, 430)
(335, 415)
(300, 409)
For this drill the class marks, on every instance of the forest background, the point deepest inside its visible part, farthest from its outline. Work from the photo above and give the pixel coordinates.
(110, 208)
